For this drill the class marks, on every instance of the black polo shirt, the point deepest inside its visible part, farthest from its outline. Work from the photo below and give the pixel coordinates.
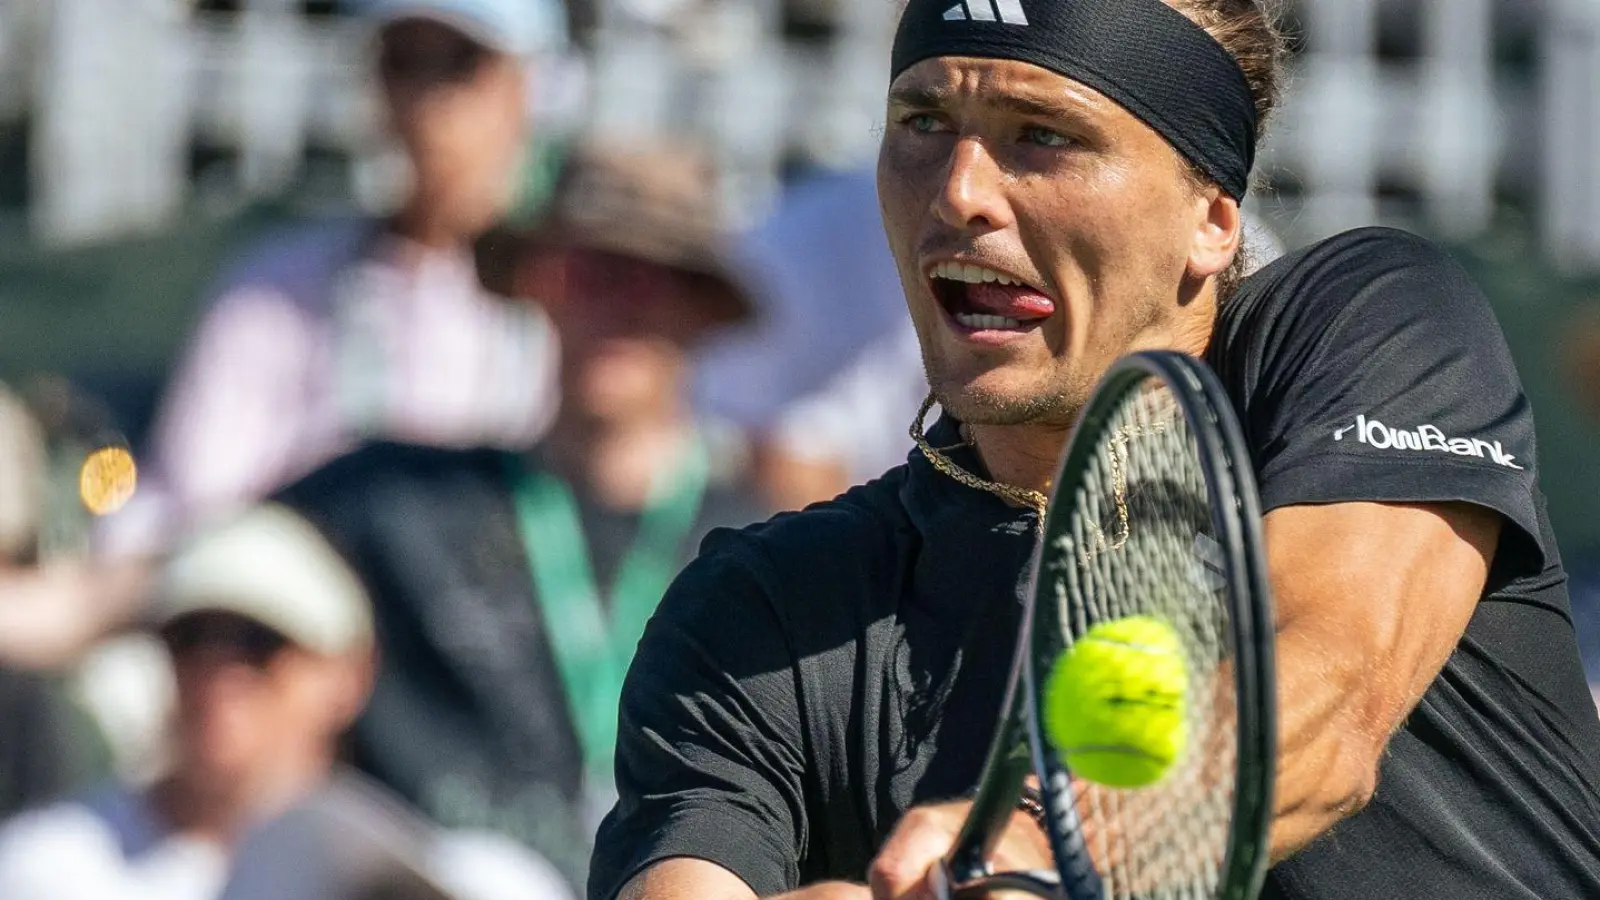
(806, 681)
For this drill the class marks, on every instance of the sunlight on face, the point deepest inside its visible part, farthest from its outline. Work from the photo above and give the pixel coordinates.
(1040, 230)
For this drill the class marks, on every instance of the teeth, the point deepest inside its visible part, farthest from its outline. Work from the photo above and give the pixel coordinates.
(981, 322)
(954, 271)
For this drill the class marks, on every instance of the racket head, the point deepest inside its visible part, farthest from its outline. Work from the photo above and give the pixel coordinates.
(1155, 512)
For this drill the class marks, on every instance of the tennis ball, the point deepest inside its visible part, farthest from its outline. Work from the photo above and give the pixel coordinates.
(1114, 704)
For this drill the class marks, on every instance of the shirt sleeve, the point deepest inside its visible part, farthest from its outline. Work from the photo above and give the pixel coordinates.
(709, 759)
(230, 421)
(1383, 375)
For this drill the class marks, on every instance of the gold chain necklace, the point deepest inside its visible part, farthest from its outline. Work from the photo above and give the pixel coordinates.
(1020, 496)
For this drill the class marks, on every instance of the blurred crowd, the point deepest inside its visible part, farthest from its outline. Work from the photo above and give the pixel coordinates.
(353, 623)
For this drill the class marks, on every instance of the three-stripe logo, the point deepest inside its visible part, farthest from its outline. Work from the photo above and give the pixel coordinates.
(1007, 11)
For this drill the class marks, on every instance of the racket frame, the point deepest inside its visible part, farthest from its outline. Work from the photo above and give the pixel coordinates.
(1020, 745)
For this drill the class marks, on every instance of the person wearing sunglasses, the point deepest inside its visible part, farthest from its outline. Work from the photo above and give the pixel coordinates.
(511, 587)
(271, 643)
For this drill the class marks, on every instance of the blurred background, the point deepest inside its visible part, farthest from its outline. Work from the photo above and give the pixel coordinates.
(205, 204)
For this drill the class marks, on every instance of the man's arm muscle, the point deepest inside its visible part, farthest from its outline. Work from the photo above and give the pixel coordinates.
(1371, 600)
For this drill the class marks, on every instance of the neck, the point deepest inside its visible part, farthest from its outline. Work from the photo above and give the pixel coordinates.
(617, 462)
(1027, 456)
(221, 811)
(1024, 456)
(423, 227)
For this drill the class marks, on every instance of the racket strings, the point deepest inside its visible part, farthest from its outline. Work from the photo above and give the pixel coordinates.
(1139, 542)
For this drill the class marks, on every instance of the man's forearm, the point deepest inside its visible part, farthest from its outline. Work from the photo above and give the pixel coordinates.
(1372, 599)
(1325, 756)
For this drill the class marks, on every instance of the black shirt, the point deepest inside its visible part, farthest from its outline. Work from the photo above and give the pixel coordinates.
(806, 681)
(469, 719)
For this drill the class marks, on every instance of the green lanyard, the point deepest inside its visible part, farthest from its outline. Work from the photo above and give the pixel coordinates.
(591, 652)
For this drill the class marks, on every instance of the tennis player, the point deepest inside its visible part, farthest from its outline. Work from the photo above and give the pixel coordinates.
(1060, 183)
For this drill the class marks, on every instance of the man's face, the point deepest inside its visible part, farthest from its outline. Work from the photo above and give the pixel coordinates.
(459, 109)
(1041, 231)
(250, 703)
(626, 328)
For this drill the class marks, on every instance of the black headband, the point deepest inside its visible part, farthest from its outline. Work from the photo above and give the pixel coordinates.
(1143, 54)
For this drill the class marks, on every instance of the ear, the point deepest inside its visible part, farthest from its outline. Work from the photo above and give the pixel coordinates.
(358, 670)
(1216, 236)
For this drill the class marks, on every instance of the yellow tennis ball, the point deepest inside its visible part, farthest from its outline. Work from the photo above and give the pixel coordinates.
(1115, 703)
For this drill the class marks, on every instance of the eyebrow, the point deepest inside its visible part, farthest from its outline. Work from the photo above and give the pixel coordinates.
(938, 97)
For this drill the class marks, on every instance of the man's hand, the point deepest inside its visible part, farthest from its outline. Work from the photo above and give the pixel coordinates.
(899, 872)
(926, 833)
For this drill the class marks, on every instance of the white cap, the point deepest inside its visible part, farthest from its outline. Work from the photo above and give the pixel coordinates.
(273, 567)
(517, 27)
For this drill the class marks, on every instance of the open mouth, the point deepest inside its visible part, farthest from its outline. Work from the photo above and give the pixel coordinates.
(981, 299)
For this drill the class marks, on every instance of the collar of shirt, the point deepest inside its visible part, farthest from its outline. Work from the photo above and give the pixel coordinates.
(972, 534)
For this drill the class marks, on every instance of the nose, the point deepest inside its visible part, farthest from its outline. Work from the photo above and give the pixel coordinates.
(972, 197)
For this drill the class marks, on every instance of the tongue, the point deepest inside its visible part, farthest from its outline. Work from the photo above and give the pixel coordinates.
(1011, 301)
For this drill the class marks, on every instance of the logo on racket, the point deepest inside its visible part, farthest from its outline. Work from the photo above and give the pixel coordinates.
(1207, 567)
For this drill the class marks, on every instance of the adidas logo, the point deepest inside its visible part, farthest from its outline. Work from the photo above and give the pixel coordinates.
(1007, 11)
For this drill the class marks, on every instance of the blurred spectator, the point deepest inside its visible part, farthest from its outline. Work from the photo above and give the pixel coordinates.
(41, 752)
(511, 588)
(342, 331)
(271, 645)
(826, 378)
(1583, 377)
(337, 332)
(352, 840)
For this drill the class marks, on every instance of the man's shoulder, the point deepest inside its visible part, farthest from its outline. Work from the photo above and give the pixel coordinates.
(295, 261)
(111, 821)
(1342, 266)
(1367, 280)
(832, 529)
(816, 563)
(1366, 239)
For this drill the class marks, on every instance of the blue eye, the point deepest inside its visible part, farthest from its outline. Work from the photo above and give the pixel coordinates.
(923, 123)
(1044, 137)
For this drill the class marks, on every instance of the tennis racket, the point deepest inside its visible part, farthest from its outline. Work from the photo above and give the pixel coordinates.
(1154, 513)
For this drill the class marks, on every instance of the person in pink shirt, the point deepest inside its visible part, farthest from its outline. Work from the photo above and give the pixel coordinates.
(373, 328)
(330, 334)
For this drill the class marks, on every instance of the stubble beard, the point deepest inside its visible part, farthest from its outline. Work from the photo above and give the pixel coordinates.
(1054, 405)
